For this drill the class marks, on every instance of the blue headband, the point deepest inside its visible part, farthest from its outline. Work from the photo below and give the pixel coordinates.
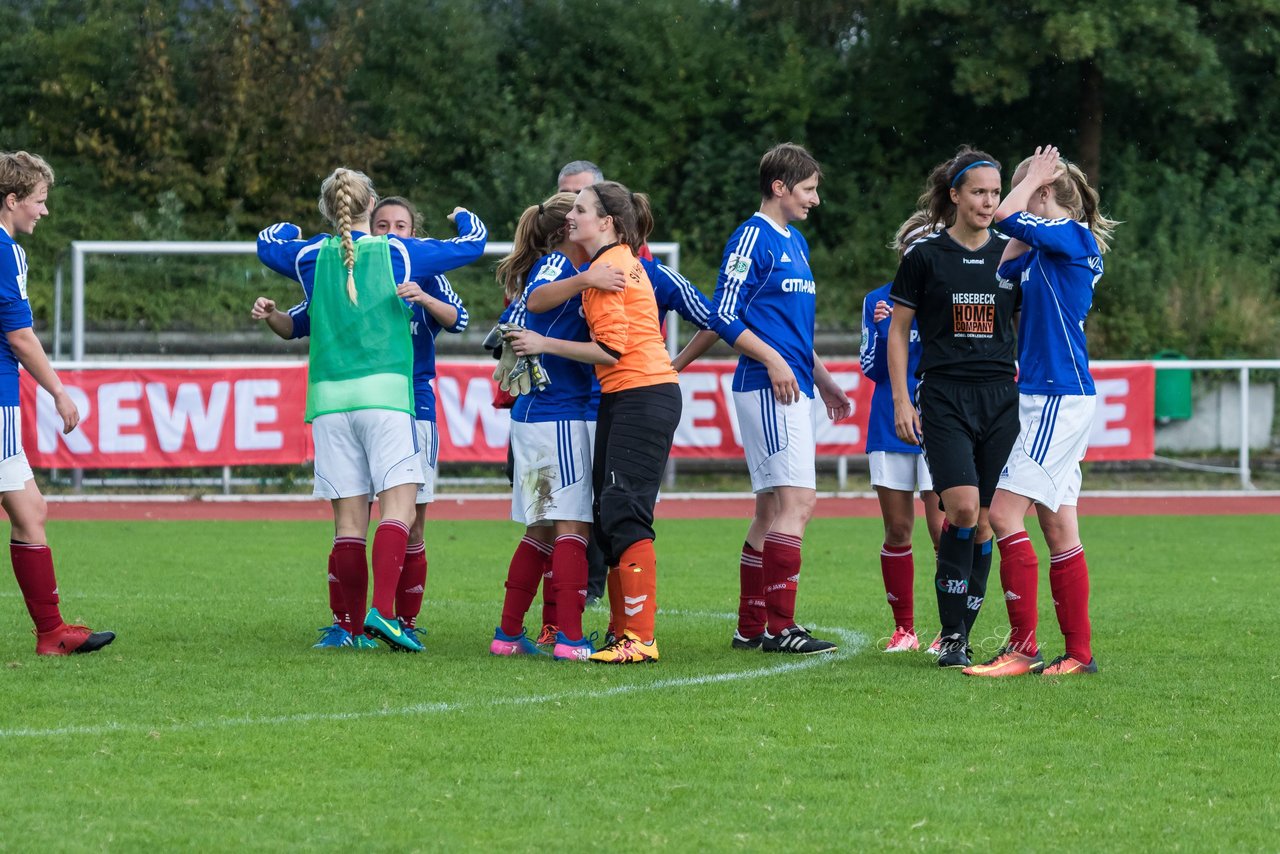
(970, 166)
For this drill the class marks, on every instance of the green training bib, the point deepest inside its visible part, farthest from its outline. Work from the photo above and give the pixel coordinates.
(361, 354)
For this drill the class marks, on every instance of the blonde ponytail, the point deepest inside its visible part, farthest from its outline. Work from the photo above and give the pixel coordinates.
(345, 196)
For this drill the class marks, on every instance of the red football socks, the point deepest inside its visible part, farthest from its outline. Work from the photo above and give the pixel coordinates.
(781, 569)
(351, 569)
(413, 584)
(389, 543)
(337, 598)
(752, 615)
(569, 579)
(528, 565)
(1069, 583)
(898, 569)
(1020, 578)
(33, 567)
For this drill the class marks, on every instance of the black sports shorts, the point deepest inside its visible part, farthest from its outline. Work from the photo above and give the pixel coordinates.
(968, 430)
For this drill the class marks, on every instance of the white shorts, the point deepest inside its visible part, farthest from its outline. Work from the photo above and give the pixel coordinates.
(552, 471)
(429, 445)
(363, 451)
(778, 440)
(1054, 435)
(901, 471)
(15, 471)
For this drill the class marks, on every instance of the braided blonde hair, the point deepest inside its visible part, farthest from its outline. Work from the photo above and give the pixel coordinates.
(345, 196)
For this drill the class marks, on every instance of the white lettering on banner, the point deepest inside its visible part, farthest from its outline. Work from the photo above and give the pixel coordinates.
(462, 412)
(825, 432)
(726, 388)
(188, 408)
(114, 413)
(49, 423)
(250, 415)
(1111, 407)
(699, 404)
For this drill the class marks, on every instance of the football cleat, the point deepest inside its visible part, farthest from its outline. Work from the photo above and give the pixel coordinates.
(797, 641)
(740, 641)
(65, 640)
(567, 650)
(903, 640)
(628, 649)
(547, 636)
(1064, 665)
(333, 637)
(363, 641)
(953, 652)
(504, 644)
(1007, 662)
(391, 632)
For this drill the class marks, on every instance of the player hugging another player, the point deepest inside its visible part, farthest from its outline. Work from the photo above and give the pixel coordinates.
(639, 407)
(552, 433)
(360, 394)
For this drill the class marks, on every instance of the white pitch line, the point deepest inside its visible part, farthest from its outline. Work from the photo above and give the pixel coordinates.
(852, 643)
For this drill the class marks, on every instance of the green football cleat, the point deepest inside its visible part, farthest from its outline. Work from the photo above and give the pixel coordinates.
(391, 632)
(365, 642)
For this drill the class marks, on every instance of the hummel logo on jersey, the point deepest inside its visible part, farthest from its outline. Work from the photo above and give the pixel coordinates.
(637, 601)
(1010, 596)
(979, 261)
(786, 259)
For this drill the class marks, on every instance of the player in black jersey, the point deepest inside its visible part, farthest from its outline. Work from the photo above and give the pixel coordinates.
(965, 414)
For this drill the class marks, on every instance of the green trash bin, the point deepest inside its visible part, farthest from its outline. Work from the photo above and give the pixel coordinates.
(1173, 390)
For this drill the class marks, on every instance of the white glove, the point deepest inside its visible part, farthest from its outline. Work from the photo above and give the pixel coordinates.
(506, 364)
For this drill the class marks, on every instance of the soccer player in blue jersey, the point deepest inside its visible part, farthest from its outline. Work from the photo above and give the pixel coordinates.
(438, 308)
(25, 180)
(552, 436)
(362, 417)
(966, 397)
(1059, 237)
(764, 307)
(898, 470)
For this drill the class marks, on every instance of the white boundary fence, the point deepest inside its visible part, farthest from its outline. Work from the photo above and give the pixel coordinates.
(82, 249)
(670, 252)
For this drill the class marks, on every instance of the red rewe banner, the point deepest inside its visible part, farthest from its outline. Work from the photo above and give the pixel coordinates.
(171, 418)
(229, 414)
(1124, 423)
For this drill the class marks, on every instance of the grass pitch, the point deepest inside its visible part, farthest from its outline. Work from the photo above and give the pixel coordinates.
(211, 724)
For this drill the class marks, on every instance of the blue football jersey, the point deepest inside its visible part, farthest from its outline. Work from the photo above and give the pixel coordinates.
(874, 359)
(676, 293)
(765, 285)
(569, 394)
(281, 249)
(15, 313)
(1058, 276)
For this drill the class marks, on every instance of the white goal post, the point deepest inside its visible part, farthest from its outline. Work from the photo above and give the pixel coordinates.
(82, 249)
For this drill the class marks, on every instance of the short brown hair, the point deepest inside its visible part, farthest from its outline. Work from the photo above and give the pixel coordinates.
(788, 163)
(21, 173)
